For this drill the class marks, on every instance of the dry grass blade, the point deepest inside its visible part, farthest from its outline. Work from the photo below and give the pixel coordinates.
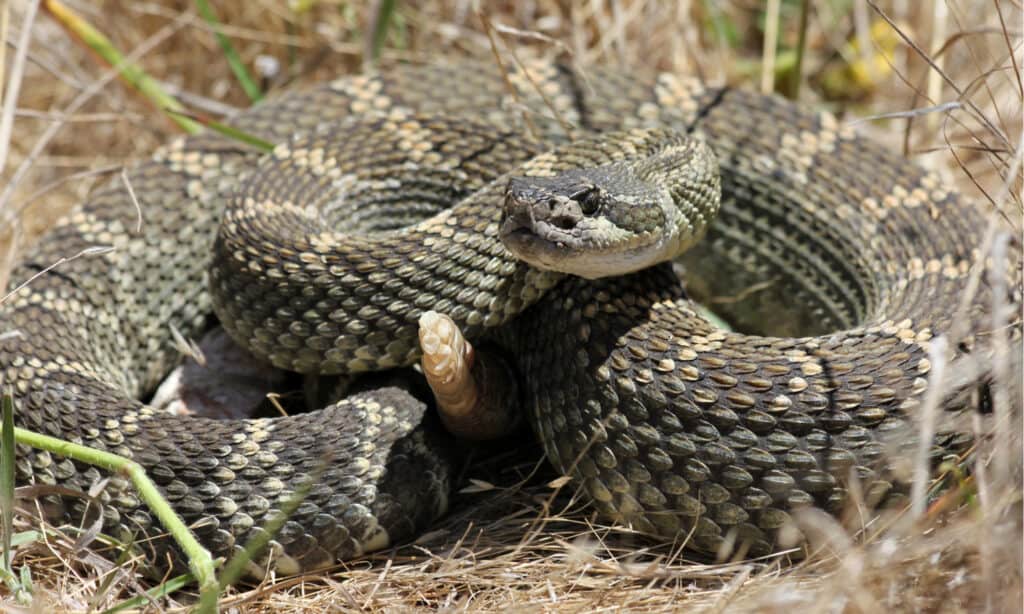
(13, 87)
(927, 417)
(44, 139)
(934, 65)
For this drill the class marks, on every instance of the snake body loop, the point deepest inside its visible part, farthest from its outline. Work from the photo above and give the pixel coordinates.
(840, 259)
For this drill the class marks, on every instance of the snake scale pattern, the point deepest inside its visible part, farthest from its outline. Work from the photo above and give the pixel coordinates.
(847, 257)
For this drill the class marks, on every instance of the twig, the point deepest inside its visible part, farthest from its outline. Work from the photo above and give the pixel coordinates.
(926, 431)
(492, 39)
(135, 201)
(771, 41)
(20, 206)
(96, 250)
(934, 87)
(940, 108)
(1009, 48)
(924, 56)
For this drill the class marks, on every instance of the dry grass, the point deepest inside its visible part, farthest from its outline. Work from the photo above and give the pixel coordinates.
(527, 546)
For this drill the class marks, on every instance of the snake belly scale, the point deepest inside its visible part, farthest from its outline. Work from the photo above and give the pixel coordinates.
(672, 426)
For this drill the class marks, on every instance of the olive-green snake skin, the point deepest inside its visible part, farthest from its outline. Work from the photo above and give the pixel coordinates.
(671, 425)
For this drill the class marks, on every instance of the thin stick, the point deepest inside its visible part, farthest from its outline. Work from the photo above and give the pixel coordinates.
(771, 41)
(924, 56)
(96, 250)
(939, 20)
(926, 432)
(1009, 48)
(135, 201)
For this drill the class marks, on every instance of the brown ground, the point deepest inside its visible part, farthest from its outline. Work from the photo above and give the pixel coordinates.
(523, 544)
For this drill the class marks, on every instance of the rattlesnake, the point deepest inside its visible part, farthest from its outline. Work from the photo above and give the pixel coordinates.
(853, 258)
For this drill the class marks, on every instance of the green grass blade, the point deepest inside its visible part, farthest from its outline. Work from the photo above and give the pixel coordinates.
(300, 7)
(108, 580)
(231, 132)
(7, 478)
(719, 25)
(200, 561)
(252, 90)
(23, 538)
(801, 49)
(132, 74)
(381, 20)
(235, 567)
(147, 598)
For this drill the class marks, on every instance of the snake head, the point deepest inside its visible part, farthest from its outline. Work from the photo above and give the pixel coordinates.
(616, 216)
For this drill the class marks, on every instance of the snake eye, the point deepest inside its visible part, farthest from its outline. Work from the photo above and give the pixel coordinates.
(589, 199)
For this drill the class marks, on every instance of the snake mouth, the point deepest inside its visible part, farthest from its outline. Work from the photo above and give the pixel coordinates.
(548, 247)
(526, 244)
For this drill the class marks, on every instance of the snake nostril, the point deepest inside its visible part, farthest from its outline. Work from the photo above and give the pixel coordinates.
(565, 222)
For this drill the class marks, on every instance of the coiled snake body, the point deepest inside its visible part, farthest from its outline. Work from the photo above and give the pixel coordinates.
(671, 425)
